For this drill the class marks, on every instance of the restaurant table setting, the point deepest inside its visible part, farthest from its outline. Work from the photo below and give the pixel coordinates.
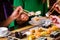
(42, 28)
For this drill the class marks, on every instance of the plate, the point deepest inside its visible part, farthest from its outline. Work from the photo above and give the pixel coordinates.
(5, 35)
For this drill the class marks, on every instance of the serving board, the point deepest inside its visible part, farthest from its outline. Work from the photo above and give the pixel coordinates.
(27, 28)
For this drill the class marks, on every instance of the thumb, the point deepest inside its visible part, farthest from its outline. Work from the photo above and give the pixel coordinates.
(19, 9)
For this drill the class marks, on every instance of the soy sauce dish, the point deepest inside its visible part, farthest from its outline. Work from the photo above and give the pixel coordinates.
(4, 32)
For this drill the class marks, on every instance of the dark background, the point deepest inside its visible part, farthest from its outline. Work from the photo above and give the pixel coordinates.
(52, 2)
(8, 7)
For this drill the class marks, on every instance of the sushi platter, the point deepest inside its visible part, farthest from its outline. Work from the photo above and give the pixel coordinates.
(36, 33)
(42, 29)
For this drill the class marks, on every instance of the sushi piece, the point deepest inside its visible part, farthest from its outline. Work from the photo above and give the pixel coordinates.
(9, 38)
(15, 39)
(47, 26)
(16, 34)
(20, 35)
(55, 34)
(23, 36)
(42, 38)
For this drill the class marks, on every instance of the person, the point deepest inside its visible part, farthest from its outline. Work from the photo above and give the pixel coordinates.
(31, 5)
(17, 12)
(55, 15)
(55, 10)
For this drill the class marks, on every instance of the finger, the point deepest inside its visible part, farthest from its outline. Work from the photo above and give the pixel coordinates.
(18, 9)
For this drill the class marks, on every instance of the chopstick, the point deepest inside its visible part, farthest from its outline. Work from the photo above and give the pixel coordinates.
(23, 9)
(52, 9)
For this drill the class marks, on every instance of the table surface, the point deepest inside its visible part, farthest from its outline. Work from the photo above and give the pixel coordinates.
(20, 29)
(3, 38)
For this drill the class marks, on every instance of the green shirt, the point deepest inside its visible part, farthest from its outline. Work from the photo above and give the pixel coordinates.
(31, 5)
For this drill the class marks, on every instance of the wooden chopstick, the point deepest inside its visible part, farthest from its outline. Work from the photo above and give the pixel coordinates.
(23, 9)
(52, 9)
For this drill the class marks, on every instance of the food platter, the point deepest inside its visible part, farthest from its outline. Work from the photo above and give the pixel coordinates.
(27, 36)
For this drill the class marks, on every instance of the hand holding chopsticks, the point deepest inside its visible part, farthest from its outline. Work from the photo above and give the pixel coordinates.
(16, 12)
(53, 8)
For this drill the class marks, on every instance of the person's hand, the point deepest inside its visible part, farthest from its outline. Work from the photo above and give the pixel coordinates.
(55, 20)
(16, 13)
(57, 6)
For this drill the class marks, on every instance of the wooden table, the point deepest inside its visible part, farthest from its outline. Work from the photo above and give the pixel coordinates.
(3, 39)
(20, 29)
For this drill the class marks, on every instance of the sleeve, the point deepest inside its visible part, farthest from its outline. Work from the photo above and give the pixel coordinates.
(17, 3)
(45, 8)
(11, 24)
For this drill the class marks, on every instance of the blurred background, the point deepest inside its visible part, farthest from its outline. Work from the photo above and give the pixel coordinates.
(6, 8)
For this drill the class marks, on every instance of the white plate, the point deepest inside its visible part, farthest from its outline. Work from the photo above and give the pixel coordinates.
(6, 34)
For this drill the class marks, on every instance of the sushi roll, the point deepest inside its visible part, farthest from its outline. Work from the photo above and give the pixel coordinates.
(55, 34)
(15, 39)
(20, 35)
(42, 38)
(17, 35)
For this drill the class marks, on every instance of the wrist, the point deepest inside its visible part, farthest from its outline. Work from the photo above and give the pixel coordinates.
(11, 18)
